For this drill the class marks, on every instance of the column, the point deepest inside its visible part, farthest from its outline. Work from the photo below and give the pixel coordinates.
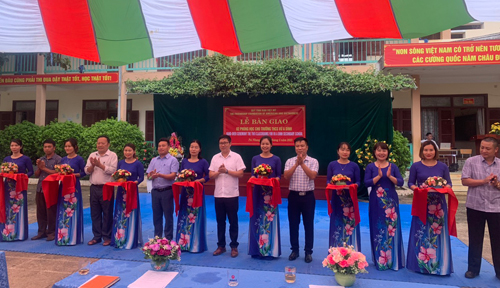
(122, 97)
(416, 129)
(41, 93)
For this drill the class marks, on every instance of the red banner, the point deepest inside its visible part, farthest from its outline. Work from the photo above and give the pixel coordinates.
(247, 124)
(57, 79)
(442, 54)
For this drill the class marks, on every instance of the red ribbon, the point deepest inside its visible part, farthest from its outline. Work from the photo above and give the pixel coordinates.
(353, 192)
(50, 187)
(271, 182)
(21, 185)
(131, 197)
(197, 197)
(419, 206)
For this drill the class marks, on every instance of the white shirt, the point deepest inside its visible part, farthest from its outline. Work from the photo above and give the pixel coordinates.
(227, 186)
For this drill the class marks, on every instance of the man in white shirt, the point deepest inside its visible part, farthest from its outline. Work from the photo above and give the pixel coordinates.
(429, 137)
(226, 168)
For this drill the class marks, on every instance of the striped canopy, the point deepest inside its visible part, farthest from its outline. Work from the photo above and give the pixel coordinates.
(118, 32)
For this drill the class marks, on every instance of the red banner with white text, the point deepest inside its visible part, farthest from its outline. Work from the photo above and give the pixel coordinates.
(247, 124)
(56, 79)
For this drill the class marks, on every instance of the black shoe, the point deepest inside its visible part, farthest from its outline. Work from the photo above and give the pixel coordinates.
(308, 258)
(294, 255)
(39, 236)
(470, 274)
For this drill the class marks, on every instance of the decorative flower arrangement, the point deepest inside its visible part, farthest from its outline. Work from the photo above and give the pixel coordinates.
(64, 169)
(365, 154)
(145, 153)
(161, 250)
(121, 174)
(345, 260)
(176, 148)
(340, 179)
(9, 167)
(434, 181)
(186, 175)
(495, 128)
(263, 170)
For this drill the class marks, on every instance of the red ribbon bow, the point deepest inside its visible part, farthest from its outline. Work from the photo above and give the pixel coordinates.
(131, 197)
(21, 185)
(353, 192)
(50, 187)
(197, 197)
(419, 206)
(272, 182)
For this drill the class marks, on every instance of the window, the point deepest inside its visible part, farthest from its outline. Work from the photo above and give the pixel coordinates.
(97, 110)
(25, 110)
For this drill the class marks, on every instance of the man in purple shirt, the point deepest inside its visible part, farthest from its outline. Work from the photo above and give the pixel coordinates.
(163, 170)
(480, 174)
(46, 217)
(100, 166)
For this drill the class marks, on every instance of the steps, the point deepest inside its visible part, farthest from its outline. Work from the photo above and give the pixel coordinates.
(456, 180)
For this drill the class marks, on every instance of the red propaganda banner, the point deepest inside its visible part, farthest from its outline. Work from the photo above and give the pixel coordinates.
(247, 124)
(56, 79)
(442, 54)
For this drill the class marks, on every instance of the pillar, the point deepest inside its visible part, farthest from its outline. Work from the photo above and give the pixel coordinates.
(416, 129)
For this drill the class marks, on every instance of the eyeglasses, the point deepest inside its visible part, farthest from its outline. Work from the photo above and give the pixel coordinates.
(223, 143)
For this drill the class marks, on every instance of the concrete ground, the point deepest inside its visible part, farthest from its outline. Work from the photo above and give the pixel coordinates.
(24, 268)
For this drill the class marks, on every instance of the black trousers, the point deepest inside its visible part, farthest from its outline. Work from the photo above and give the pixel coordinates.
(476, 223)
(301, 205)
(163, 206)
(46, 217)
(101, 213)
(227, 207)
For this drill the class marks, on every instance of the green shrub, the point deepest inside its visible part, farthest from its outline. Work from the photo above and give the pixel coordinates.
(28, 133)
(119, 133)
(60, 132)
(401, 152)
(145, 152)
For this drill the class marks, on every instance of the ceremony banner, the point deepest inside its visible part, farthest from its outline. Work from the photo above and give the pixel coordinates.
(55, 79)
(247, 124)
(442, 54)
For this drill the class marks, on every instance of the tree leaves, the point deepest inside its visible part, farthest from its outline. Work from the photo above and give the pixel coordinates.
(221, 76)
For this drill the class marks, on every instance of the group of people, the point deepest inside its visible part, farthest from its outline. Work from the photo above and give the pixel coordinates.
(429, 249)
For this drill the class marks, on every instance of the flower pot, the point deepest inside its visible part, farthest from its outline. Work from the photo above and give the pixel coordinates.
(121, 180)
(340, 183)
(160, 265)
(346, 280)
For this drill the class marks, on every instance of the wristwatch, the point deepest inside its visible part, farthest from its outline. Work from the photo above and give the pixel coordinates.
(227, 171)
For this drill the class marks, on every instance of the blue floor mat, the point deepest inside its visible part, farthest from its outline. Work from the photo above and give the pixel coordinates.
(459, 249)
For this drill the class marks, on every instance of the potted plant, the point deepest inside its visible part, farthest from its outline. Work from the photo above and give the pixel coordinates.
(346, 263)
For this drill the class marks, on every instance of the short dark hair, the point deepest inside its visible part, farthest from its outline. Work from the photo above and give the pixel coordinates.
(131, 145)
(266, 137)
(427, 143)
(227, 137)
(164, 139)
(199, 144)
(73, 143)
(49, 141)
(298, 139)
(18, 142)
(382, 146)
(104, 136)
(492, 140)
(342, 144)
(428, 133)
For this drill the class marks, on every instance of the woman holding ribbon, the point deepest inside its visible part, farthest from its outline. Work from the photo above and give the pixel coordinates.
(70, 206)
(342, 219)
(385, 224)
(264, 228)
(192, 221)
(127, 225)
(15, 226)
(429, 250)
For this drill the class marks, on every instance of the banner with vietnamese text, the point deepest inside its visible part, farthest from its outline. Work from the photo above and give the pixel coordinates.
(56, 79)
(247, 124)
(442, 54)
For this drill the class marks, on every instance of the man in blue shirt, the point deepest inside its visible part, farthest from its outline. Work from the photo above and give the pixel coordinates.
(163, 170)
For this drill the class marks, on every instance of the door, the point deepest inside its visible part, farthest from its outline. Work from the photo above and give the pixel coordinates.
(446, 126)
